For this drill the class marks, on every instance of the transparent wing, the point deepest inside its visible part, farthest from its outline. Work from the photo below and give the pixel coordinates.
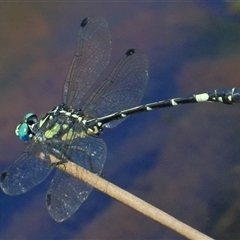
(123, 89)
(66, 194)
(26, 172)
(91, 57)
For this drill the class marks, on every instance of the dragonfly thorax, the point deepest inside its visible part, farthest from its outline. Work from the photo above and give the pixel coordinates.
(56, 122)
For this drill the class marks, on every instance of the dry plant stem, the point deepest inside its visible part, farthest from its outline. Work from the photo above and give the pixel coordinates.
(130, 200)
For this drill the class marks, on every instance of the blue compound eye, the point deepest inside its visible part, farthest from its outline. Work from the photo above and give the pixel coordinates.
(22, 131)
(25, 130)
(28, 115)
(30, 118)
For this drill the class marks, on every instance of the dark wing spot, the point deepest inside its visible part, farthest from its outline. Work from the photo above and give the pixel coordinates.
(130, 52)
(3, 176)
(84, 22)
(49, 199)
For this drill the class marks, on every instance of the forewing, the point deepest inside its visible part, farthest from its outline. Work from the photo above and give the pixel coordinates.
(123, 89)
(91, 57)
(66, 194)
(25, 173)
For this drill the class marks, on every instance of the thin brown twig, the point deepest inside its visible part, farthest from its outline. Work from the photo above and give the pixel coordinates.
(130, 200)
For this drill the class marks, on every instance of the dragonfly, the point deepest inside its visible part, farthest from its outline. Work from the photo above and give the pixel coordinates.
(71, 131)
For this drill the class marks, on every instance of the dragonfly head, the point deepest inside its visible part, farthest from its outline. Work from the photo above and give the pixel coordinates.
(25, 129)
